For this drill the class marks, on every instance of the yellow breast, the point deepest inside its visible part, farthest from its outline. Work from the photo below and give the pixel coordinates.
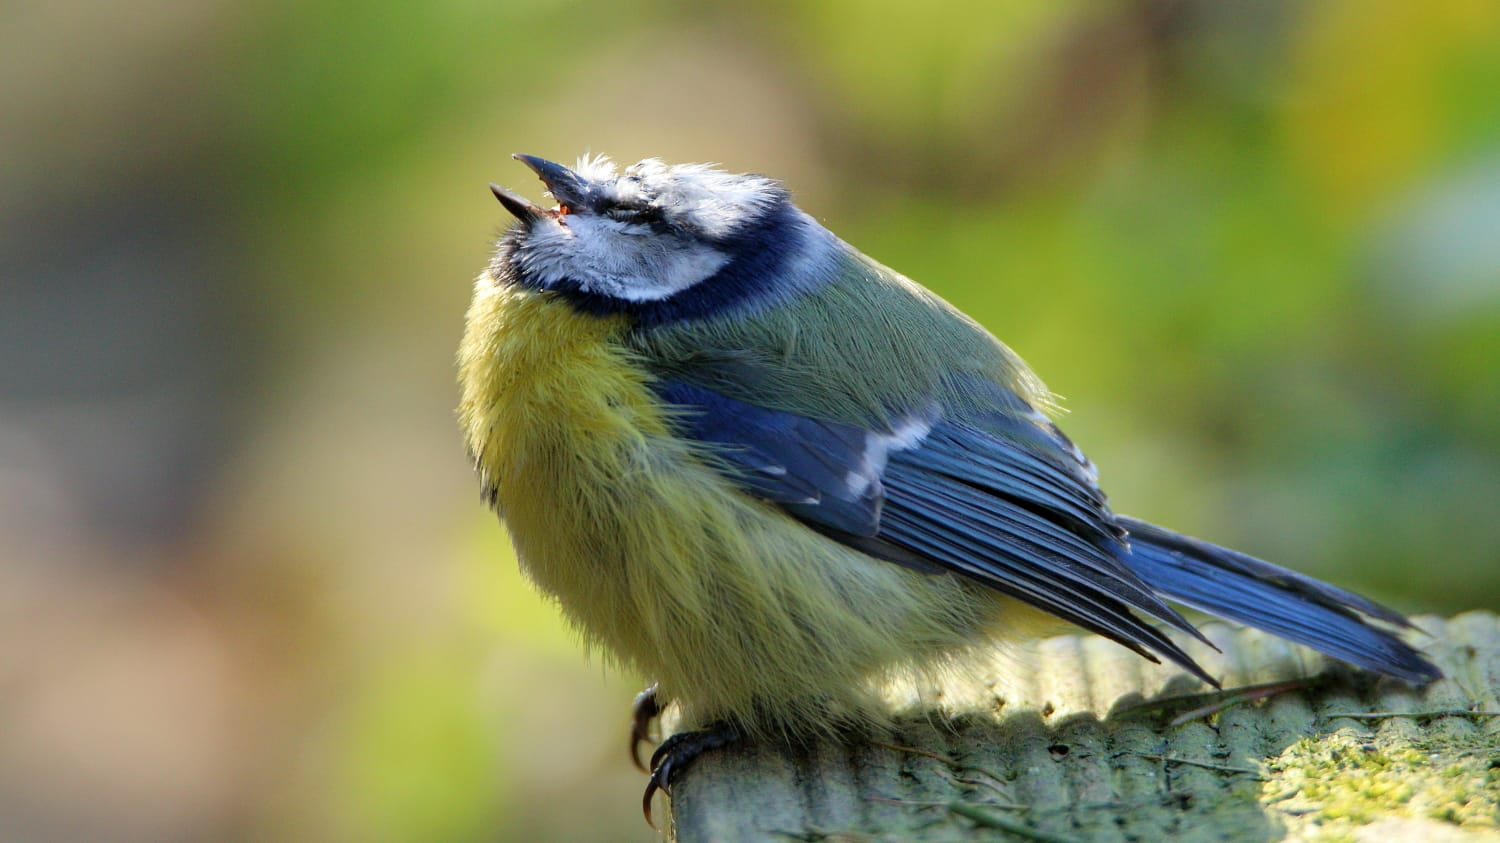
(561, 422)
(654, 554)
(538, 376)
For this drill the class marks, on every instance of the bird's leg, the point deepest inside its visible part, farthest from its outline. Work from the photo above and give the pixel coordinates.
(679, 751)
(644, 710)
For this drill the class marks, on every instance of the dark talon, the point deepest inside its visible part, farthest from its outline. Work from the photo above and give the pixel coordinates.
(651, 788)
(676, 753)
(645, 709)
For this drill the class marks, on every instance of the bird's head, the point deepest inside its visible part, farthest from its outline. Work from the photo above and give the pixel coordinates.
(661, 242)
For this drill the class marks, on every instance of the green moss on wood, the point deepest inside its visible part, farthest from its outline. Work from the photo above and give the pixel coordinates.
(1327, 786)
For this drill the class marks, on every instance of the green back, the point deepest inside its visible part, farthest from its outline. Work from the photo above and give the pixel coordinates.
(866, 345)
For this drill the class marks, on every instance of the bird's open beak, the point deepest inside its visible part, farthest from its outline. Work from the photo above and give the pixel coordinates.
(567, 187)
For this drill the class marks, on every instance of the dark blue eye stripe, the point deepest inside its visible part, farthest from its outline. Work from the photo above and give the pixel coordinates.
(633, 212)
(761, 250)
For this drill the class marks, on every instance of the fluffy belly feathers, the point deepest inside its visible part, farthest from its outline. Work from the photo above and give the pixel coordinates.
(653, 554)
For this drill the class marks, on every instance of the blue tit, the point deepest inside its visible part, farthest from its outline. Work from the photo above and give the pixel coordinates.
(771, 474)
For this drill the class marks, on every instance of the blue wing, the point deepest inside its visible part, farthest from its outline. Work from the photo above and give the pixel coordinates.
(999, 496)
(801, 463)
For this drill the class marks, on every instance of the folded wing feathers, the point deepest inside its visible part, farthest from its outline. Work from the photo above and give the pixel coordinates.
(1002, 497)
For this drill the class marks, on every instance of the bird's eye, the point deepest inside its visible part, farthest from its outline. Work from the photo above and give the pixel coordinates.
(630, 213)
(563, 210)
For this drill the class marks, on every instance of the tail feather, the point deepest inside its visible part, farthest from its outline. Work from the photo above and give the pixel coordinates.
(1293, 606)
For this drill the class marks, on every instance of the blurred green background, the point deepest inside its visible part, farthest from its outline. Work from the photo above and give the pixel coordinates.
(247, 589)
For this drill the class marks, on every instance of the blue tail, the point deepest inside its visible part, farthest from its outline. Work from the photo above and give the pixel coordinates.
(1298, 608)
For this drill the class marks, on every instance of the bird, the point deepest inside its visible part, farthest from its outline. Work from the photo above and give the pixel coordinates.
(769, 473)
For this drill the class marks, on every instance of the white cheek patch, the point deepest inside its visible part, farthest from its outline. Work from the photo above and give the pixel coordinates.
(907, 434)
(615, 258)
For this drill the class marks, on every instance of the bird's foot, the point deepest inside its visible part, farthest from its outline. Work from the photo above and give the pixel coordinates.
(679, 751)
(644, 710)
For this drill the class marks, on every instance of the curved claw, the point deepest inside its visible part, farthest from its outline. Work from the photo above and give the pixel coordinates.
(661, 771)
(645, 709)
(666, 748)
(652, 786)
(676, 753)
